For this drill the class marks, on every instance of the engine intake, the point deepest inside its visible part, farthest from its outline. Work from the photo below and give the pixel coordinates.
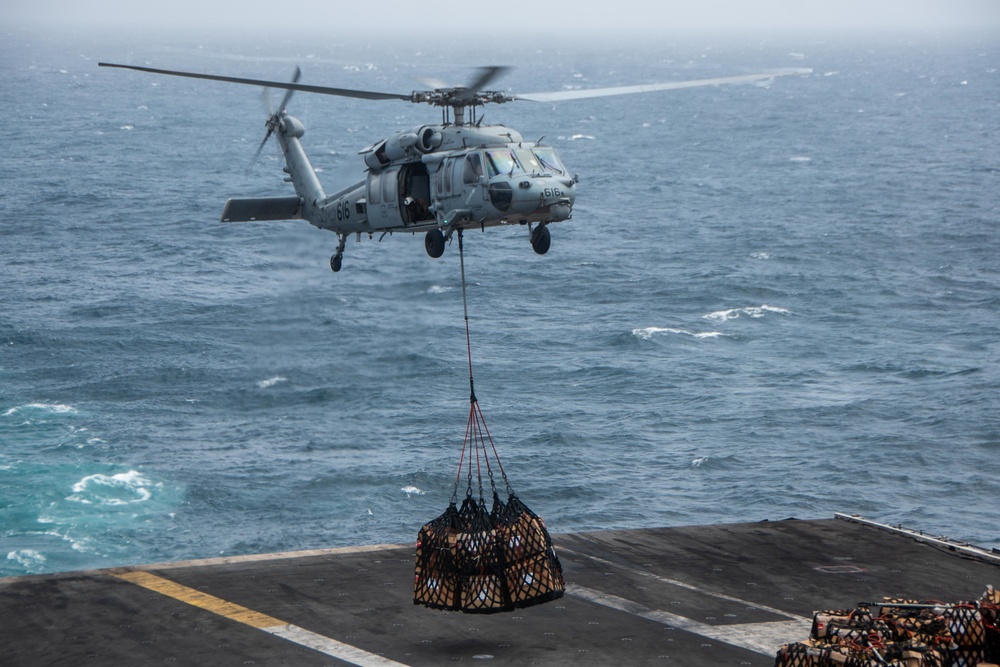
(424, 139)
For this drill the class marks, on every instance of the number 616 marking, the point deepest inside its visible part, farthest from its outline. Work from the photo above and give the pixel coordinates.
(343, 210)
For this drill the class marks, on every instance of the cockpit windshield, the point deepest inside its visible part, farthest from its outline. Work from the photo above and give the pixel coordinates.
(502, 161)
(530, 162)
(549, 159)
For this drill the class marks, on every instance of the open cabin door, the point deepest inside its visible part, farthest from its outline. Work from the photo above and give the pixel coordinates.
(399, 196)
(415, 193)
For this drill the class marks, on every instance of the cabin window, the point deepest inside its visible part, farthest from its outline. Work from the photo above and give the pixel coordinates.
(388, 187)
(449, 174)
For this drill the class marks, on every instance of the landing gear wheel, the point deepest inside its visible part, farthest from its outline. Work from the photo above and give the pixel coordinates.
(541, 239)
(338, 254)
(434, 243)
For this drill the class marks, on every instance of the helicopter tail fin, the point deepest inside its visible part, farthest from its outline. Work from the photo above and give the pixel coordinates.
(263, 208)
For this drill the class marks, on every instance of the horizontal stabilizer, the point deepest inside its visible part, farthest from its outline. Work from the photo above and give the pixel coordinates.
(263, 208)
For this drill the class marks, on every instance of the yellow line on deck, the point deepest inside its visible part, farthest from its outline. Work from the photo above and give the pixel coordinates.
(254, 619)
(196, 598)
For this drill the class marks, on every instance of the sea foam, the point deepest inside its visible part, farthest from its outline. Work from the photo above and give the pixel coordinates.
(28, 559)
(54, 408)
(121, 489)
(648, 332)
(755, 312)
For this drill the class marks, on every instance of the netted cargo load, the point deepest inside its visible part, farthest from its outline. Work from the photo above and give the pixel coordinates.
(480, 561)
(484, 559)
(904, 633)
(808, 654)
(989, 607)
(532, 570)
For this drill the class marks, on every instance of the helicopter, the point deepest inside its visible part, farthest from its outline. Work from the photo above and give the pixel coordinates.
(434, 179)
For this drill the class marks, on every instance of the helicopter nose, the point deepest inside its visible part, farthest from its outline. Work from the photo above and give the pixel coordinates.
(532, 194)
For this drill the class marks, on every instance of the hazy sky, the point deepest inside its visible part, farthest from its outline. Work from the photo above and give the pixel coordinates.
(355, 18)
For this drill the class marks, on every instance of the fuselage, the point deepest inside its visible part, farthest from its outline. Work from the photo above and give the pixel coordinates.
(450, 176)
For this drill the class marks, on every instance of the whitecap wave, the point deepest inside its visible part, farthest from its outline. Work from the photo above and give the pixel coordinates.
(28, 559)
(270, 382)
(54, 408)
(648, 332)
(411, 491)
(577, 137)
(124, 488)
(755, 312)
(439, 289)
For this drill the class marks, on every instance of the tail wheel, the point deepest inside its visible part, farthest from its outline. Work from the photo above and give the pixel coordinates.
(434, 243)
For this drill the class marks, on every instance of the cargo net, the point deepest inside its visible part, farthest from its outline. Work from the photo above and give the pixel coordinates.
(480, 558)
(905, 633)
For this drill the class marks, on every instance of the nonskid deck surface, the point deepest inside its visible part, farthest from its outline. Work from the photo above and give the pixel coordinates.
(691, 596)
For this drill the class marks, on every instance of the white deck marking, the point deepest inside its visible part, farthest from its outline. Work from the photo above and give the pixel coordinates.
(690, 587)
(331, 647)
(763, 638)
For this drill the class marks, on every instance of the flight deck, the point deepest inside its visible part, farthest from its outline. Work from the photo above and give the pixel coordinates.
(688, 596)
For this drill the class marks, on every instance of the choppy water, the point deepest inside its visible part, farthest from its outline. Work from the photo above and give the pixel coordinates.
(771, 301)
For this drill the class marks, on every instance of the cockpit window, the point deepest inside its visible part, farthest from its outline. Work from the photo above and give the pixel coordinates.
(529, 161)
(549, 159)
(502, 161)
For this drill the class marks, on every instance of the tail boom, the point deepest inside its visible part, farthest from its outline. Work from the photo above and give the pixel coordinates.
(262, 209)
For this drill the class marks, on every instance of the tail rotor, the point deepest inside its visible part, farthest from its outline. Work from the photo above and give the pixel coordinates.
(273, 118)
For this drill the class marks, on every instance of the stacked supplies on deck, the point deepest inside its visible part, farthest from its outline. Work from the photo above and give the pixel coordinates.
(904, 633)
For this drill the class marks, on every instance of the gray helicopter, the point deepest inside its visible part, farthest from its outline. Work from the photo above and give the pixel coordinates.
(434, 179)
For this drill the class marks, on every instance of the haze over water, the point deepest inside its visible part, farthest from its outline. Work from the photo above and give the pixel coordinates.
(772, 301)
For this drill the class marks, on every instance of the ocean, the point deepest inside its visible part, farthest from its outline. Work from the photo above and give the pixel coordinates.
(771, 301)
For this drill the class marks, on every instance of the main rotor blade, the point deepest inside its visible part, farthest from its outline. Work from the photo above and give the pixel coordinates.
(288, 94)
(432, 84)
(486, 75)
(323, 90)
(563, 95)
